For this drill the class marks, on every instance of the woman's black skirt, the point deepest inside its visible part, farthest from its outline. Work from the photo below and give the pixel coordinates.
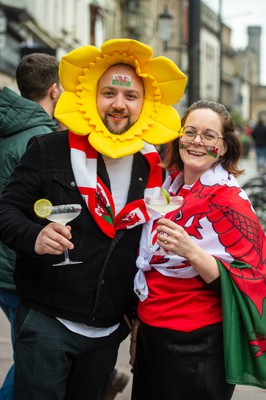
(173, 365)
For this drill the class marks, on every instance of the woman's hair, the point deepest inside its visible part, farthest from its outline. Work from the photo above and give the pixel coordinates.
(231, 157)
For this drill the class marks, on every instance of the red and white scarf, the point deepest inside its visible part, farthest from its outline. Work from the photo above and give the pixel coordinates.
(97, 196)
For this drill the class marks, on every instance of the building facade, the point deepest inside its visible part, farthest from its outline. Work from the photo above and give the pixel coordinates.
(194, 37)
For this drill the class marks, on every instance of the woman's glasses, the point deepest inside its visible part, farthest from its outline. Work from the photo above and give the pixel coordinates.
(208, 137)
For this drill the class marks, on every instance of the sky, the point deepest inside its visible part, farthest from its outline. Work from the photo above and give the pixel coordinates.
(238, 15)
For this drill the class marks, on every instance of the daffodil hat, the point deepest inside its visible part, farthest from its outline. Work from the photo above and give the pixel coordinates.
(164, 84)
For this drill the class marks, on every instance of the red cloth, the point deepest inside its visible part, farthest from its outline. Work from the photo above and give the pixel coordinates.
(179, 304)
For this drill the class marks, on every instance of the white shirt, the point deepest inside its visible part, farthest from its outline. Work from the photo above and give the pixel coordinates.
(119, 171)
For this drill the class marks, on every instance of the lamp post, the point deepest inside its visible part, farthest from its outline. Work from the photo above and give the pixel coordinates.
(221, 51)
(194, 52)
(165, 27)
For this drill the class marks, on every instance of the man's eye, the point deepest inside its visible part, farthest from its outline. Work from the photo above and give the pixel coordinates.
(108, 93)
(131, 96)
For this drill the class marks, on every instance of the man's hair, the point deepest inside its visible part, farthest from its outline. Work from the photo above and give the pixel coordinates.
(35, 74)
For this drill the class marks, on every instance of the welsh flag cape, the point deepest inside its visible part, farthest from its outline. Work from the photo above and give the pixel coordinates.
(244, 323)
(243, 281)
(243, 278)
(218, 216)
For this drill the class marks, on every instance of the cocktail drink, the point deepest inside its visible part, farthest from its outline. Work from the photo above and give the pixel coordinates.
(163, 206)
(63, 214)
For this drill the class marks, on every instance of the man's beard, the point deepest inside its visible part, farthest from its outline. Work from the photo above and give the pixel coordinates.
(117, 132)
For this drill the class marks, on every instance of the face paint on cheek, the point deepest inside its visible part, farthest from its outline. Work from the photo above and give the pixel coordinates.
(121, 80)
(181, 144)
(213, 151)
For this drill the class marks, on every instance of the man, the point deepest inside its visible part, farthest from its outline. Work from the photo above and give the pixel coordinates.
(70, 323)
(21, 118)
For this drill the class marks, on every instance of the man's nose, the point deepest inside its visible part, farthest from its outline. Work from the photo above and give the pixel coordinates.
(119, 102)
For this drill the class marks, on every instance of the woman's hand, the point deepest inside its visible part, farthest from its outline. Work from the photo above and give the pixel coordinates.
(175, 239)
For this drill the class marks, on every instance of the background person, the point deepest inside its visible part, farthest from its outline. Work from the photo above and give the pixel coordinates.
(259, 136)
(21, 118)
(201, 305)
(70, 323)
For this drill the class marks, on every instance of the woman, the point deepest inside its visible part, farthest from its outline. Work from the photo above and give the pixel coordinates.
(214, 238)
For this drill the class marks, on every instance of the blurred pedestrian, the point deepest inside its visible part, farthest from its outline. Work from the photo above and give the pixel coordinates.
(245, 140)
(259, 137)
(202, 306)
(70, 323)
(21, 118)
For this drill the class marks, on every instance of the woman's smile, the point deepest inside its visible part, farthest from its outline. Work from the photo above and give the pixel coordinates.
(196, 153)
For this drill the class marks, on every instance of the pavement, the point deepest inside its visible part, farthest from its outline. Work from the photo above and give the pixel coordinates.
(249, 165)
(241, 392)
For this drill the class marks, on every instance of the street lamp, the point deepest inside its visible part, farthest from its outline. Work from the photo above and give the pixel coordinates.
(165, 27)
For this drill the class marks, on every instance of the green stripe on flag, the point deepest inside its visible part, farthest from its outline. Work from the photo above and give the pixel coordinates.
(244, 332)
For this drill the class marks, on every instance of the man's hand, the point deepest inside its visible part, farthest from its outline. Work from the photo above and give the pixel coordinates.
(53, 239)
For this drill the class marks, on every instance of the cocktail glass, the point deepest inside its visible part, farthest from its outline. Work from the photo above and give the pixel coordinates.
(63, 214)
(158, 203)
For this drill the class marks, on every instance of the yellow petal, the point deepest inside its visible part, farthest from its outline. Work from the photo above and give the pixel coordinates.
(140, 51)
(169, 117)
(172, 81)
(110, 149)
(67, 111)
(165, 128)
(73, 64)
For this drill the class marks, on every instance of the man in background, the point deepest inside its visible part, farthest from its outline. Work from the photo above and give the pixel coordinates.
(21, 118)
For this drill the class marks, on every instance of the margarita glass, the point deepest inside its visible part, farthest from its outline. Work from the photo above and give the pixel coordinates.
(63, 214)
(159, 204)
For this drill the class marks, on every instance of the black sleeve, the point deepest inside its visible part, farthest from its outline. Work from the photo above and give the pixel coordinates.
(215, 285)
(19, 226)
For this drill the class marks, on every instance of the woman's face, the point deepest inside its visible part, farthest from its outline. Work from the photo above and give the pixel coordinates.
(198, 157)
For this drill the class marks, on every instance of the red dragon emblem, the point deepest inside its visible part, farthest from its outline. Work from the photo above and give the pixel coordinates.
(261, 343)
(237, 231)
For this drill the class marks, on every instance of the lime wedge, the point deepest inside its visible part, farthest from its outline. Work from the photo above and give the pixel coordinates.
(165, 195)
(41, 208)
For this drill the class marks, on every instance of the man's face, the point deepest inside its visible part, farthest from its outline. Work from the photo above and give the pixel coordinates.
(120, 96)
